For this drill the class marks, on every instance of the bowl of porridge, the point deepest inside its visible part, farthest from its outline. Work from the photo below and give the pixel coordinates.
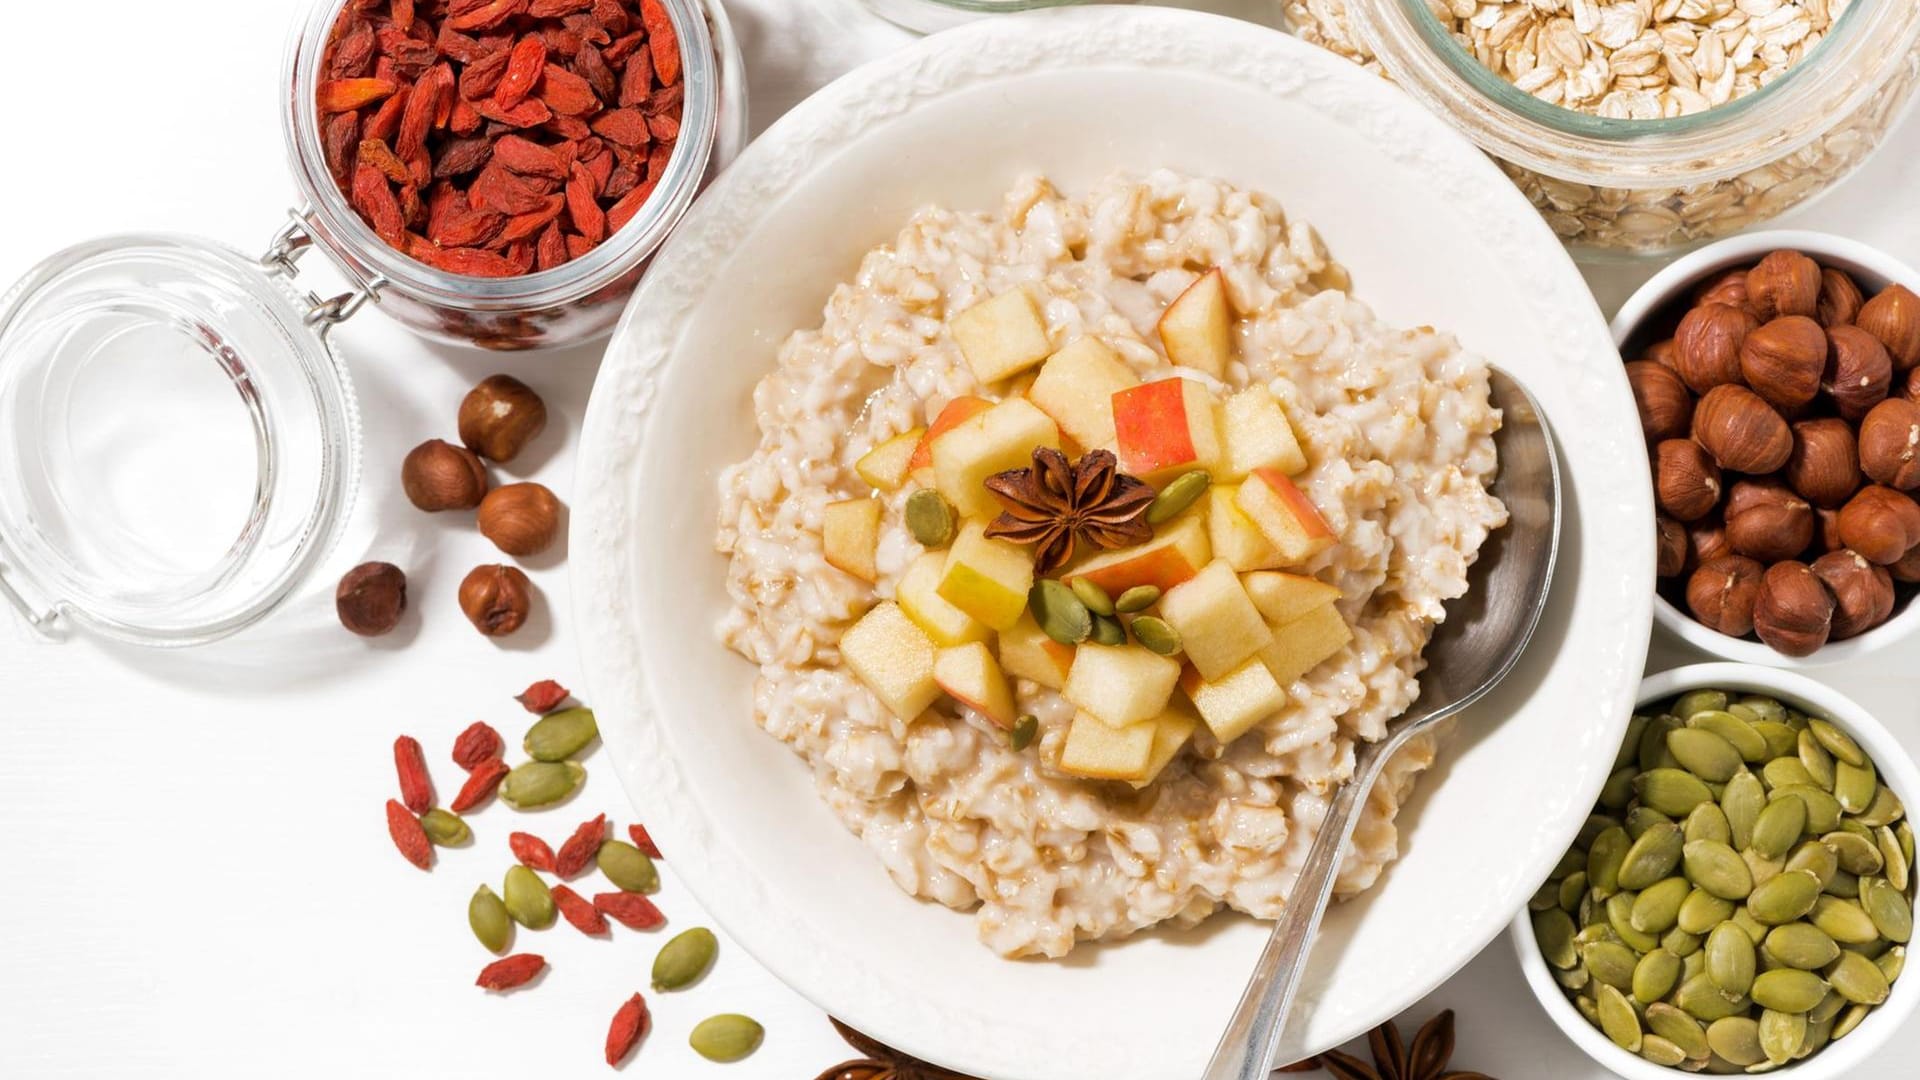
(992, 569)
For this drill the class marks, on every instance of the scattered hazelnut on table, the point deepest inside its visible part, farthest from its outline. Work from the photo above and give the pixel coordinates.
(1665, 404)
(1824, 468)
(1707, 345)
(1881, 524)
(1859, 371)
(520, 519)
(1783, 360)
(1741, 431)
(1721, 594)
(1686, 482)
(438, 475)
(1894, 317)
(371, 598)
(1840, 298)
(1890, 444)
(1766, 521)
(1793, 612)
(496, 599)
(499, 417)
(1862, 592)
(1673, 550)
(1784, 283)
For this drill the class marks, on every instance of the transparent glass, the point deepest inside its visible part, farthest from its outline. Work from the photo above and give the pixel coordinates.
(929, 16)
(570, 304)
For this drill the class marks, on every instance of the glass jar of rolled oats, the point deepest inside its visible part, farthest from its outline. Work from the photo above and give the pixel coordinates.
(1644, 126)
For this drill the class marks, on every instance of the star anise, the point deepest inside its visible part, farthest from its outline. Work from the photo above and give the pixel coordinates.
(1393, 1059)
(1055, 505)
(883, 1062)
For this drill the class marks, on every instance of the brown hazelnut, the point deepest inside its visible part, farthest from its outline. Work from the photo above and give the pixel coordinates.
(1722, 592)
(1785, 283)
(1672, 543)
(1894, 318)
(1707, 541)
(1666, 406)
(1881, 524)
(438, 475)
(1859, 371)
(1728, 287)
(520, 519)
(1862, 592)
(1794, 611)
(1910, 385)
(1708, 345)
(500, 417)
(1665, 353)
(1907, 567)
(1827, 530)
(1742, 432)
(1783, 360)
(1686, 482)
(1840, 298)
(1766, 521)
(1890, 444)
(371, 598)
(1824, 467)
(496, 599)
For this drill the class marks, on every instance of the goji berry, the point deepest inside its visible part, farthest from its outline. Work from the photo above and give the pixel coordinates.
(568, 94)
(576, 910)
(533, 852)
(479, 786)
(581, 847)
(662, 41)
(588, 219)
(512, 972)
(643, 841)
(476, 745)
(525, 64)
(542, 697)
(631, 910)
(408, 835)
(629, 1026)
(347, 95)
(416, 787)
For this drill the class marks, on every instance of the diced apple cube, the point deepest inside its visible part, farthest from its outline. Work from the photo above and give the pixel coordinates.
(952, 415)
(1305, 643)
(1234, 537)
(1234, 703)
(1292, 523)
(1003, 336)
(1076, 388)
(1001, 438)
(1121, 684)
(1283, 598)
(1197, 328)
(885, 467)
(1027, 652)
(894, 658)
(919, 596)
(987, 579)
(1174, 556)
(1217, 621)
(1165, 428)
(849, 534)
(1171, 732)
(1099, 752)
(1255, 434)
(973, 677)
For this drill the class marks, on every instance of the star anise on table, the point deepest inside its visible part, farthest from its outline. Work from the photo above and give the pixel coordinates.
(1056, 505)
(883, 1062)
(1393, 1059)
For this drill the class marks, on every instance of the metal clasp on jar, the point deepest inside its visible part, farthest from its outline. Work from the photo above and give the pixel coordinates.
(293, 240)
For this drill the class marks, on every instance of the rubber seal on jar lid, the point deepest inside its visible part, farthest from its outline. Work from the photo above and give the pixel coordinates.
(179, 441)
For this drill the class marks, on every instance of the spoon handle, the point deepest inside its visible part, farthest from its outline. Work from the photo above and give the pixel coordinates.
(1247, 1048)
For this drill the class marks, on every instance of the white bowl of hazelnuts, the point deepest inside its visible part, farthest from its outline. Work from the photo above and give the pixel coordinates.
(1778, 380)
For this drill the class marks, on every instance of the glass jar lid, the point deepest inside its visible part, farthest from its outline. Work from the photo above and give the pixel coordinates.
(179, 440)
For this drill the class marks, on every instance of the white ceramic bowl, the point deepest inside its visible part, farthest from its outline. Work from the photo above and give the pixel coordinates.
(1433, 234)
(1632, 329)
(1897, 771)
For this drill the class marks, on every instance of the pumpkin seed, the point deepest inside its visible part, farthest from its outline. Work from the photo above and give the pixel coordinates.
(1765, 707)
(1641, 818)
(1661, 1052)
(1617, 792)
(1179, 494)
(489, 919)
(1784, 772)
(1850, 1019)
(1701, 911)
(1904, 832)
(1854, 786)
(540, 783)
(1781, 1035)
(682, 961)
(1756, 930)
(1618, 1020)
(627, 867)
(1059, 612)
(1892, 859)
(1593, 933)
(1678, 1028)
(1653, 856)
(1708, 822)
(1157, 635)
(559, 736)
(1844, 885)
(1553, 929)
(1655, 976)
(1699, 701)
(1718, 869)
(1892, 962)
(1730, 960)
(1816, 857)
(1693, 965)
(1737, 1039)
(1779, 827)
(1855, 855)
(1853, 826)
(1653, 752)
(1620, 917)
(1610, 963)
(1138, 598)
(1844, 921)
(1858, 979)
(726, 1038)
(527, 899)
(1729, 726)
(1801, 945)
(1092, 595)
(1604, 858)
(1814, 759)
(1829, 1007)
(1703, 1001)
(1788, 990)
(1785, 898)
(1742, 802)
(445, 828)
(1889, 909)
(1837, 742)
(1107, 631)
(1574, 859)
(1630, 743)
(1588, 1009)
(1823, 810)
(1762, 868)
(1885, 809)
(1574, 979)
(1023, 732)
(1680, 943)
(1780, 739)
(1658, 906)
(1572, 888)
(929, 518)
(1704, 754)
(1673, 792)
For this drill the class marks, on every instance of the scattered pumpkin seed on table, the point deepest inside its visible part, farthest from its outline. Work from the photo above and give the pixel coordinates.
(726, 1038)
(534, 784)
(559, 736)
(488, 918)
(683, 960)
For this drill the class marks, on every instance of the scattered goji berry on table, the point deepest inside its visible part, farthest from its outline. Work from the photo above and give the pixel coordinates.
(533, 852)
(416, 787)
(477, 745)
(578, 911)
(581, 847)
(480, 785)
(408, 835)
(542, 697)
(514, 971)
(644, 841)
(631, 910)
(629, 1026)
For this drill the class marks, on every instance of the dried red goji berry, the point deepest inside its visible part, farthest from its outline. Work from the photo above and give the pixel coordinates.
(553, 9)
(664, 126)
(376, 153)
(386, 119)
(631, 910)
(662, 41)
(566, 93)
(530, 113)
(581, 847)
(527, 158)
(588, 218)
(514, 971)
(346, 95)
(479, 743)
(462, 157)
(644, 841)
(592, 66)
(532, 851)
(488, 15)
(408, 835)
(525, 64)
(551, 251)
(401, 12)
(576, 910)
(480, 784)
(352, 54)
(525, 226)
(341, 142)
(627, 127)
(374, 199)
(629, 1026)
(416, 788)
(578, 246)
(483, 77)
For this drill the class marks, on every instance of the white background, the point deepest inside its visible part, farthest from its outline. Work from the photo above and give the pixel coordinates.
(194, 874)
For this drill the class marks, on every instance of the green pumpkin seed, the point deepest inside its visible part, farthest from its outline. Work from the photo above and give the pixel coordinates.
(1652, 752)
(1823, 810)
(1844, 885)
(1756, 930)
(1708, 822)
(627, 867)
(1855, 855)
(1893, 860)
(1023, 732)
(1737, 732)
(1904, 832)
(1854, 786)
(1704, 1002)
(1829, 1007)
(930, 518)
(489, 919)
(1699, 701)
(1780, 739)
(726, 1038)
(1138, 598)
(1673, 792)
(1108, 632)
(1802, 945)
(1742, 802)
(1885, 809)
(1701, 911)
(445, 827)
(1059, 612)
(1892, 962)
(1609, 850)
(1575, 979)
(1762, 868)
(1630, 743)
(1588, 1009)
(540, 783)
(1785, 898)
(1617, 1019)
(1781, 1035)
(1786, 772)
(1653, 856)
(1574, 859)
(1764, 707)
(1779, 827)
(1814, 759)
(1572, 888)
(1680, 943)
(1595, 933)
(682, 961)
(1092, 595)
(1736, 1039)
(1788, 990)
(559, 736)
(1817, 858)
(1641, 818)
(1731, 961)
(1850, 1019)
(1704, 754)
(1655, 976)
(527, 899)
(1858, 979)
(1844, 921)
(1837, 742)
(1678, 1028)
(1179, 494)
(1659, 1051)
(1658, 906)
(1888, 907)
(1610, 963)
(1693, 965)
(1718, 869)
(1617, 792)
(1620, 918)
(1157, 635)
(1553, 930)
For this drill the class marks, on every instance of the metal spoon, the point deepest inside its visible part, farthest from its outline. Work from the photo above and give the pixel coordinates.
(1482, 638)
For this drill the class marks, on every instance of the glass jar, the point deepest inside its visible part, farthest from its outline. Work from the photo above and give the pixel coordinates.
(930, 16)
(1613, 186)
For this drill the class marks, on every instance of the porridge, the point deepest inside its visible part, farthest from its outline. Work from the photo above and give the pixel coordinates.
(1092, 655)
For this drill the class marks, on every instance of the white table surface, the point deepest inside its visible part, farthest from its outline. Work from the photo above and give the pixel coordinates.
(197, 878)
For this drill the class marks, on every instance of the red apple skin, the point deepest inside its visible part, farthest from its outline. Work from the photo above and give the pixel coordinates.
(1163, 568)
(957, 412)
(1150, 421)
(1307, 514)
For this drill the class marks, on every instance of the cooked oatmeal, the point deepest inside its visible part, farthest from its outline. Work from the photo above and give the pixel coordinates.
(1397, 431)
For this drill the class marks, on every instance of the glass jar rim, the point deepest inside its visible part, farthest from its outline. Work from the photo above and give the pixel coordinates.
(1834, 80)
(605, 264)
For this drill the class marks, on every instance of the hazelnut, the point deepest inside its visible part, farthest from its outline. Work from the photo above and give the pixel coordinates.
(1909, 386)
(1672, 540)
(1890, 444)
(438, 475)
(1707, 540)
(1839, 298)
(1741, 431)
(1729, 287)
(1824, 467)
(1766, 521)
(1881, 524)
(1665, 353)
(1666, 407)
(1722, 592)
(1894, 318)
(1785, 283)
(1708, 345)
(520, 519)
(1859, 371)
(1783, 361)
(496, 599)
(1827, 530)
(500, 417)
(1686, 483)
(371, 598)
(1862, 592)
(1907, 567)
(1794, 611)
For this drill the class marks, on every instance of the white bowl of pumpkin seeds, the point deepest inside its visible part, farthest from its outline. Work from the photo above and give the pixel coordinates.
(1741, 898)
